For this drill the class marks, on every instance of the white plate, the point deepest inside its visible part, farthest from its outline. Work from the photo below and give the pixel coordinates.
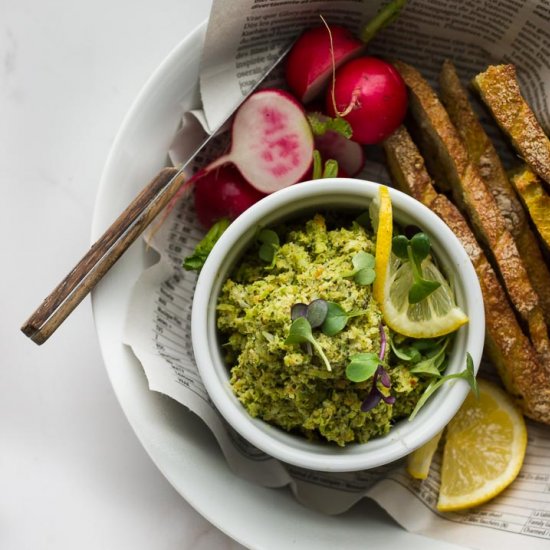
(178, 442)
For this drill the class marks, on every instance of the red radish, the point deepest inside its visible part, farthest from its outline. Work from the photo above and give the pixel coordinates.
(271, 141)
(349, 154)
(309, 63)
(222, 193)
(373, 97)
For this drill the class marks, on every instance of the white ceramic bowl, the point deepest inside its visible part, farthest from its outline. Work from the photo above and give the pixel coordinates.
(405, 436)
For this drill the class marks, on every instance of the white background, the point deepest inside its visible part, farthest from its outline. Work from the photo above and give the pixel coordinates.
(72, 473)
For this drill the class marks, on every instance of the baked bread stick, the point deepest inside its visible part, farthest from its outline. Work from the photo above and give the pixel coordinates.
(443, 147)
(484, 155)
(523, 373)
(499, 89)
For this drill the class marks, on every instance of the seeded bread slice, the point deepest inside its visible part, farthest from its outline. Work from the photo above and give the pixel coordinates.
(499, 88)
(441, 144)
(485, 157)
(536, 200)
(522, 371)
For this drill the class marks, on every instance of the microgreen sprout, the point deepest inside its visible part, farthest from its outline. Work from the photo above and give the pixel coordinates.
(415, 250)
(301, 333)
(321, 124)
(364, 220)
(363, 269)
(269, 244)
(380, 375)
(467, 374)
(337, 318)
(330, 170)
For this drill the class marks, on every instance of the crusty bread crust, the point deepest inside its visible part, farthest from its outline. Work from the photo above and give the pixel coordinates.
(499, 89)
(443, 144)
(484, 155)
(522, 371)
(536, 200)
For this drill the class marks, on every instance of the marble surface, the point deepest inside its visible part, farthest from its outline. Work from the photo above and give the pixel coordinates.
(72, 473)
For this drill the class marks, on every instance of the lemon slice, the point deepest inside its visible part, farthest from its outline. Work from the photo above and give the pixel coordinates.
(432, 317)
(484, 450)
(419, 462)
(382, 218)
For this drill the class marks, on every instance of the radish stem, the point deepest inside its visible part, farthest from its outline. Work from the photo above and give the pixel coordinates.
(383, 18)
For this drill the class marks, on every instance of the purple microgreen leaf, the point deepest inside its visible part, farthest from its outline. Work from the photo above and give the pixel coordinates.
(372, 399)
(317, 312)
(384, 377)
(389, 399)
(298, 310)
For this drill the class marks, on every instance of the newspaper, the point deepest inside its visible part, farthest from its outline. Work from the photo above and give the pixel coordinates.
(243, 38)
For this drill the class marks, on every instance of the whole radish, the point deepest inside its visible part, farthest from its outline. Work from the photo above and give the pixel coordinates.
(271, 141)
(222, 193)
(309, 63)
(321, 50)
(370, 94)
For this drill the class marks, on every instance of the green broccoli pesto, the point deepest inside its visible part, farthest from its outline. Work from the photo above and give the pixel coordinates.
(284, 384)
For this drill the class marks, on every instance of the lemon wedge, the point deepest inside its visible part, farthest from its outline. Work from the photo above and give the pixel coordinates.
(432, 317)
(419, 462)
(484, 450)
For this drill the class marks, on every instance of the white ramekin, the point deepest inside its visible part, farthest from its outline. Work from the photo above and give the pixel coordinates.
(405, 436)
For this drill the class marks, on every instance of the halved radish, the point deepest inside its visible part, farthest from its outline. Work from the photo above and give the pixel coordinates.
(349, 154)
(309, 63)
(271, 141)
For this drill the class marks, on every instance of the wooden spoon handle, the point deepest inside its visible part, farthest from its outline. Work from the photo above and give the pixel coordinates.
(102, 255)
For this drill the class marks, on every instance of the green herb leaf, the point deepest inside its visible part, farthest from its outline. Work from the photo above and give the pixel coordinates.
(300, 333)
(471, 376)
(400, 245)
(196, 260)
(420, 245)
(421, 289)
(363, 269)
(365, 276)
(269, 245)
(268, 236)
(335, 320)
(317, 312)
(362, 366)
(467, 374)
(331, 169)
(320, 124)
(363, 260)
(364, 220)
(426, 367)
(317, 166)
